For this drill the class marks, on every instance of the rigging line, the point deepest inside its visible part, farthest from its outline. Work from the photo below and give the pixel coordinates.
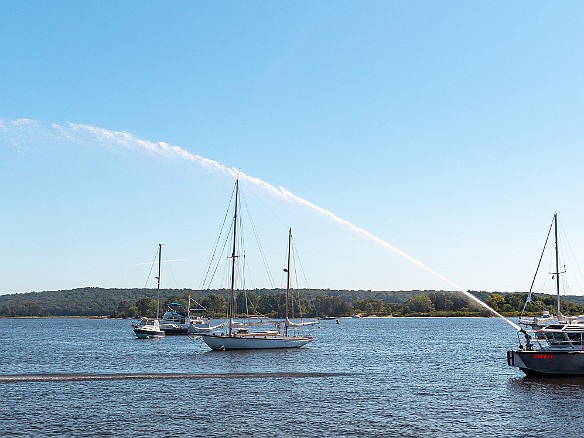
(240, 267)
(173, 277)
(259, 200)
(547, 278)
(539, 263)
(294, 281)
(241, 271)
(565, 239)
(298, 260)
(258, 242)
(245, 276)
(565, 285)
(219, 259)
(198, 304)
(541, 257)
(296, 306)
(225, 242)
(217, 240)
(151, 267)
(546, 284)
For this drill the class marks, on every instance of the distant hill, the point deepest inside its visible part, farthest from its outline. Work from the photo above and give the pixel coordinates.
(94, 301)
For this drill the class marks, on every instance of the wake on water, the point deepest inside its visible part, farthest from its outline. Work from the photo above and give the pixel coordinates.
(28, 378)
(16, 130)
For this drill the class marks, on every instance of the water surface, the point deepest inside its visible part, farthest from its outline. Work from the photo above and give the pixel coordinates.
(362, 377)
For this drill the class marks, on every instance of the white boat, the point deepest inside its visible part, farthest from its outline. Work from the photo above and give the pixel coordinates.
(178, 320)
(149, 327)
(543, 320)
(550, 346)
(243, 339)
(240, 336)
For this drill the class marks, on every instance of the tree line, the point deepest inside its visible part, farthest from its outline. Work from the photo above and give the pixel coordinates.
(132, 303)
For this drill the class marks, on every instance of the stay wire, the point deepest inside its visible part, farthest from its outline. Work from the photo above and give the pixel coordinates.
(573, 257)
(258, 242)
(151, 267)
(212, 258)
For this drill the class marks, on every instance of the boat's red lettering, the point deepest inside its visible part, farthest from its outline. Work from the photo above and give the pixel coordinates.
(542, 356)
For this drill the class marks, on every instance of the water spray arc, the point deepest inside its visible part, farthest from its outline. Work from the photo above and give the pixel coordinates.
(108, 138)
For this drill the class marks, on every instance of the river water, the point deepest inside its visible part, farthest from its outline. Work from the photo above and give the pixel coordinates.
(362, 377)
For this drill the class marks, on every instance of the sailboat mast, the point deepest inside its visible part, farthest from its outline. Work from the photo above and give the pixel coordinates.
(557, 262)
(232, 293)
(288, 280)
(158, 278)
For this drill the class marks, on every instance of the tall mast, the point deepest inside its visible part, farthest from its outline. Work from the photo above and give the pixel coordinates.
(232, 293)
(557, 263)
(288, 280)
(158, 278)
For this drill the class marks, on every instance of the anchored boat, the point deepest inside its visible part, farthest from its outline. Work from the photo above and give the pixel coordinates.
(178, 320)
(243, 336)
(149, 327)
(550, 346)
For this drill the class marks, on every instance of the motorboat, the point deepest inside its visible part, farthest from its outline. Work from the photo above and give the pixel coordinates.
(178, 320)
(553, 350)
(148, 328)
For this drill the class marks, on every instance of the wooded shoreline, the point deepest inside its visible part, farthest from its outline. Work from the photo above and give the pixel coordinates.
(131, 303)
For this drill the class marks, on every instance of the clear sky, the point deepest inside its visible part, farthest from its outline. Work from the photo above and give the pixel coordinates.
(452, 131)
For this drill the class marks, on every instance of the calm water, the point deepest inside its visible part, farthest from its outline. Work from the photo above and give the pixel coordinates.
(386, 377)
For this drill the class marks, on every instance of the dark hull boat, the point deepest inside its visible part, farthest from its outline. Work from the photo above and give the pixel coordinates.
(539, 363)
(553, 350)
(549, 348)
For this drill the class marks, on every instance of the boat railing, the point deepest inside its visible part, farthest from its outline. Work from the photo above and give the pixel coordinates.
(551, 338)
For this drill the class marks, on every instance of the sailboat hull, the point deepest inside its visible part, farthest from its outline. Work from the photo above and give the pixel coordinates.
(256, 342)
(548, 363)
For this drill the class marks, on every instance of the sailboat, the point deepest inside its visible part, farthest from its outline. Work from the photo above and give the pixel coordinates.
(553, 346)
(239, 336)
(150, 327)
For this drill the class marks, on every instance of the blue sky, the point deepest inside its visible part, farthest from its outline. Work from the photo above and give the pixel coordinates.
(450, 130)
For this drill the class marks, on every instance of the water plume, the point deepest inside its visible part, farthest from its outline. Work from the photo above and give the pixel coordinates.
(108, 138)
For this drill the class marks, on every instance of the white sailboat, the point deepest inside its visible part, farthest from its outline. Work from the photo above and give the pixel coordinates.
(241, 336)
(150, 327)
(552, 346)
